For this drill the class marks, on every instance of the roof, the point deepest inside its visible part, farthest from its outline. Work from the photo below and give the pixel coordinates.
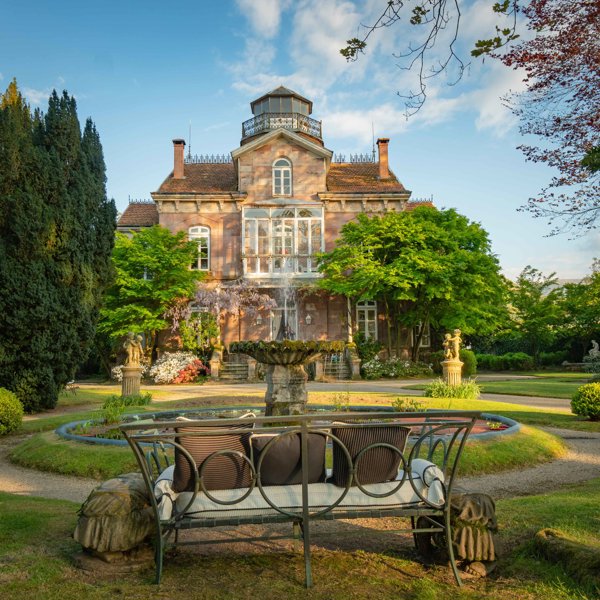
(201, 178)
(412, 204)
(360, 177)
(139, 214)
(283, 91)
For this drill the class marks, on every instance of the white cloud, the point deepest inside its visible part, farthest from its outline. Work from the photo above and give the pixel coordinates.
(264, 15)
(36, 97)
(1, 77)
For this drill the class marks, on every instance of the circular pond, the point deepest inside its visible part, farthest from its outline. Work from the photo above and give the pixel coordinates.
(489, 425)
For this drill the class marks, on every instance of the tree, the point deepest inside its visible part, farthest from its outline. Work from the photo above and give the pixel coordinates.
(237, 298)
(425, 266)
(561, 105)
(534, 301)
(431, 23)
(579, 311)
(56, 235)
(152, 275)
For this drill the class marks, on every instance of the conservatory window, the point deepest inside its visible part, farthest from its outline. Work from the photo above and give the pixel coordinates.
(366, 318)
(282, 240)
(201, 235)
(282, 177)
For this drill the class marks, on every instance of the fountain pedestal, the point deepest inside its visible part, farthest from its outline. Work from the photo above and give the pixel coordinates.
(286, 389)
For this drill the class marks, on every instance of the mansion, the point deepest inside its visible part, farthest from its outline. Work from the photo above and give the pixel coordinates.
(264, 211)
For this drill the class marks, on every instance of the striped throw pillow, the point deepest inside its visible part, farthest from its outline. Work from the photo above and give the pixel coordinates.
(376, 465)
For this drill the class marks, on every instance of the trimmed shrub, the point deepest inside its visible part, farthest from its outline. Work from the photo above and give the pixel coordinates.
(586, 401)
(11, 412)
(553, 359)
(468, 390)
(469, 361)
(512, 361)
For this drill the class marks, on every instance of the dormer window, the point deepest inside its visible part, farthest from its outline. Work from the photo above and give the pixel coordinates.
(282, 177)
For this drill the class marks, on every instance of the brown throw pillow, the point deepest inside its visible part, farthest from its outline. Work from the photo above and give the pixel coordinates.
(222, 472)
(376, 465)
(282, 464)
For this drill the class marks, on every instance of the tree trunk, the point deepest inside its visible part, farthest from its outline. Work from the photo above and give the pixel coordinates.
(389, 328)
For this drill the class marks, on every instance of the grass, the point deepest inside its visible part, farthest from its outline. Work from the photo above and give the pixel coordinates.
(47, 452)
(36, 549)
(551, 385)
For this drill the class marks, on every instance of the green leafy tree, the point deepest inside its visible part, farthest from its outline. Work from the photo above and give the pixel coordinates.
(152, 275)
(534, 301)
(426, 266)
(56, 236)
(579, 312)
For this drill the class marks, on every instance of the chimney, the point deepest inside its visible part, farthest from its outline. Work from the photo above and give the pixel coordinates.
(384, 169)
(178, 151)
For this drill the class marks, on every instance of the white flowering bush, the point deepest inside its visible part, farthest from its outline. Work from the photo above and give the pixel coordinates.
(394, 368)
(168, 367)
(116, 373)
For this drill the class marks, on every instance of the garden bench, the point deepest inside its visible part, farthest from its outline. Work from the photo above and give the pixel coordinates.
(260, 470)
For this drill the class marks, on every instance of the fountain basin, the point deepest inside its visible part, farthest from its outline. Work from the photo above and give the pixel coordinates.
(481, 430)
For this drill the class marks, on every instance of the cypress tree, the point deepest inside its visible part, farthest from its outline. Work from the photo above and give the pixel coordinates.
(56, 236)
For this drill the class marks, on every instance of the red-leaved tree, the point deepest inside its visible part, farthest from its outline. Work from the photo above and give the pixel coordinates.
(561, 105)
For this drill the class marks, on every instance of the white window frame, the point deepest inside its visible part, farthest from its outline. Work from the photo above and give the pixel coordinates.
(425, 340)
(282, 170)
(291, 260)
(364, 308)
(197, 234)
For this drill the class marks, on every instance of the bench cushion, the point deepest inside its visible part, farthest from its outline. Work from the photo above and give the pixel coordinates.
(282, 464)
(427, 478)
(221, 472)
(376, 465)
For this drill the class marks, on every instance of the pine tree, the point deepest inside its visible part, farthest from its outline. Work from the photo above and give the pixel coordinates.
(56, 236)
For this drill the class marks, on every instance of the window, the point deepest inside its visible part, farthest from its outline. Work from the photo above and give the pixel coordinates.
(425, 340)
(366, 318)
(282, 177)
(282, 240)
(201, 235)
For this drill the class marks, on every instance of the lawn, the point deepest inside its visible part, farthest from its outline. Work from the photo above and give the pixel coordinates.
(36, 552)
(548, 385)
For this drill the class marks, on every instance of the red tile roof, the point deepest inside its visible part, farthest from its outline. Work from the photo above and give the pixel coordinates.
(412, 204)
(203, 177)
(139, 214)
(360, 177)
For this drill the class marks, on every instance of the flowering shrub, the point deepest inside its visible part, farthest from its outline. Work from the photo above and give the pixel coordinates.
(192, 372)
(394, 367)
(116, 373)
(177, 367)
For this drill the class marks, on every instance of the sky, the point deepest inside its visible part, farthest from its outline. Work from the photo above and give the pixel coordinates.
(145, 71)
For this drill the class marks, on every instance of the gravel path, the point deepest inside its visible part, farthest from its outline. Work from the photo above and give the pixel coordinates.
(29, 482)
(581, 463)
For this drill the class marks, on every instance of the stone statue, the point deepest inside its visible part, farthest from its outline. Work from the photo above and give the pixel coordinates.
(452, 345)
(594, 353)
(135, 351)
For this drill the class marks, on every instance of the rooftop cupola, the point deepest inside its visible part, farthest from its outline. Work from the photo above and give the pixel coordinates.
(281, 108)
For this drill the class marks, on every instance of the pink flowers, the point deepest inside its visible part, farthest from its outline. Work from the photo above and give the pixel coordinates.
(191, 372)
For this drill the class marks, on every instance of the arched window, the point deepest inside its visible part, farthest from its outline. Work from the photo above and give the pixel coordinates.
(282, 177)
(201, 235)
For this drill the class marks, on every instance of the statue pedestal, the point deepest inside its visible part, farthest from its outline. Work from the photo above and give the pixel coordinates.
(452, 370)
(132, 377)
(286, 390)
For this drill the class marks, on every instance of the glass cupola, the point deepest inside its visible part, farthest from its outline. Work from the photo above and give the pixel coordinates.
(281, 108)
